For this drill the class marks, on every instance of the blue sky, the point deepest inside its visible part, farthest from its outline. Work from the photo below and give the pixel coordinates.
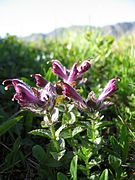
(24, 17)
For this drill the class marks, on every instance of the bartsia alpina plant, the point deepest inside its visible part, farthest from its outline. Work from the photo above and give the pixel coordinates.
(42, 99)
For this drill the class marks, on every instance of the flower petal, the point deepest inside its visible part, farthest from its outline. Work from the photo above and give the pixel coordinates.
(9, 82)
(58, 69)
(73, 74)
(71, 93)
(109, 89)
(17, 81)
(40, 81)
(48, 91)
(84, 67)
(24, 96)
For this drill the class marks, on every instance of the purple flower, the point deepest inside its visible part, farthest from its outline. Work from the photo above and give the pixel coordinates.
(73, 74)
(94, 103)
(109, 89)
(47, 92)
(32, 98)
(69, 76)
(24, 94)
(11, 82)
(58, 69)
(84, 67)
(71, 93)
(91, 103)
(25, 97)
(40, 81)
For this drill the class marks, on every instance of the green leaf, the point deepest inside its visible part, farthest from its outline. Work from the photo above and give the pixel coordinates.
(73, 168)
(49, 75)
(61, 176)
(17, 145)
(57, 133)
(39, 153)
(15, 155)
(59, 155)
(55, 115)
(28, 121)
(103, 124)
(73, 118)
(85, 153)
(104, 175)
(61, 143)
(114, 161)
(41, 132)
(124, 135)
(8, 124)
(77, 130)
(124, 141)
(115, 145)
(66, 133)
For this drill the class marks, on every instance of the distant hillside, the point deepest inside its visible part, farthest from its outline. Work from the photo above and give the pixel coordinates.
(119, 29)
(35, 37)
(114, 30)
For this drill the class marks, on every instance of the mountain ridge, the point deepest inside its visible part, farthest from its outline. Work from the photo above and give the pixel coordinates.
(115, 30)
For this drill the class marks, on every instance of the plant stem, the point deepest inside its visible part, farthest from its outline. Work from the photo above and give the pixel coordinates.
(87, 168)
(54, 137)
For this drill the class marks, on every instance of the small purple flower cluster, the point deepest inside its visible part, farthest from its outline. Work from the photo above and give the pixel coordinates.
(34, 99)
(69, 76)
(42, 98)
(92, 103)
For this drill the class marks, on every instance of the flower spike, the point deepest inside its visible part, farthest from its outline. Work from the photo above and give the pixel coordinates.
(25, 97)
(109, 89)
(69, 76)
(31, 98)
(84, 67)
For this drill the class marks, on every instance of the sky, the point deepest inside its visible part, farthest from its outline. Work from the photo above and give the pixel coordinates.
(24, 17)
